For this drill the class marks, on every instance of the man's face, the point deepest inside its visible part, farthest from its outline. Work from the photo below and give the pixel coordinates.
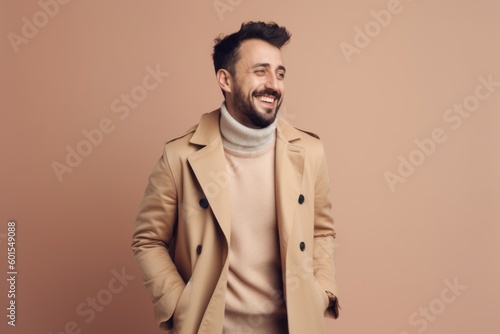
(258, 86)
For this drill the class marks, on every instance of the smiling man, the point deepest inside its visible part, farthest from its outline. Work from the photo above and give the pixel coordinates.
(235, 232)
(253, 89)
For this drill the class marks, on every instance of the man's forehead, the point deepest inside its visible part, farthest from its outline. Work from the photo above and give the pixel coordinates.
(254, 51)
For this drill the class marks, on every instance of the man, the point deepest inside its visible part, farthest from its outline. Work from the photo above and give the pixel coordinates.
(235, 233)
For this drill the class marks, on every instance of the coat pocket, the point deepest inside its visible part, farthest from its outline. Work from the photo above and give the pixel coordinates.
(181, 309)
(322, 295)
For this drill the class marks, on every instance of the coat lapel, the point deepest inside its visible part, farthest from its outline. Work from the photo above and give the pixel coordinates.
(209, 167)
(288, 178)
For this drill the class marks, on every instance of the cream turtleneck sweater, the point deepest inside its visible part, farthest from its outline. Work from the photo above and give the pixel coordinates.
(254, 297)
(237, 137)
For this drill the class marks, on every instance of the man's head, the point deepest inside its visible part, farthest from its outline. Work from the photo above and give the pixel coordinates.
(250, 71)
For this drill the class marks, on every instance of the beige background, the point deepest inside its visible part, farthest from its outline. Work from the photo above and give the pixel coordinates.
(397, 250)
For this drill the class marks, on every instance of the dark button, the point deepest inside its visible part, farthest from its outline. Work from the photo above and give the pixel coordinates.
(198, 249)
(302, 246)
(301, 199)
(204, 203)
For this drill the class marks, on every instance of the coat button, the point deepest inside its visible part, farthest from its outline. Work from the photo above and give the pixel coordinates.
(198, 249)
(301, 199)
(302, 246)
(204, 203)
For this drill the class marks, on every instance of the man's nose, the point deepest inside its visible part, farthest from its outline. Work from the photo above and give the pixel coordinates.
(272, 82)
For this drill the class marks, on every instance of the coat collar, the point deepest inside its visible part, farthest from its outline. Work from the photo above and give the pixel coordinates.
(208, 130)
(209, 166)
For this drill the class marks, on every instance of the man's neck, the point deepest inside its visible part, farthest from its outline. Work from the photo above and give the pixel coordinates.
(239, 137)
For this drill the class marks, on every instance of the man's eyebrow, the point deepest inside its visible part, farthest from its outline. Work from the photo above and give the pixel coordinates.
(280, 67)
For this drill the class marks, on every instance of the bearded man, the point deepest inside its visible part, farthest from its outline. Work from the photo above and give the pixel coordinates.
(235, 232)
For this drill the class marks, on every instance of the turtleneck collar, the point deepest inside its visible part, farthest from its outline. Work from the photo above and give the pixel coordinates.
(237, 137)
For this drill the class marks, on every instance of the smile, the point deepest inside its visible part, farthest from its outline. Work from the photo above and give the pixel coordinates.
(268, 99)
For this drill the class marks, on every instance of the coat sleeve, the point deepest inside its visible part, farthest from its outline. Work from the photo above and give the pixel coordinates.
(324, 235)
(152, 237)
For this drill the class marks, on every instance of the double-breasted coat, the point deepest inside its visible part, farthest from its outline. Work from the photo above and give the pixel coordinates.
(183, 229)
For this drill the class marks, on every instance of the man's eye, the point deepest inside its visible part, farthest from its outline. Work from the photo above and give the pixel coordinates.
(280, 75)
(260, 72)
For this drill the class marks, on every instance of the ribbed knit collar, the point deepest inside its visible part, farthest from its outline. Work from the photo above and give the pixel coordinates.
(237, 137)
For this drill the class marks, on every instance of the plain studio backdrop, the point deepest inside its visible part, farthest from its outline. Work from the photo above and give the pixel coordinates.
(405, 96)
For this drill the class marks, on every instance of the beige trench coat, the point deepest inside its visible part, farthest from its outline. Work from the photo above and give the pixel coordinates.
(182, 233)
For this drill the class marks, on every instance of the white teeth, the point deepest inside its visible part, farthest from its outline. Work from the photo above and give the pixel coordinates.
(266, 99)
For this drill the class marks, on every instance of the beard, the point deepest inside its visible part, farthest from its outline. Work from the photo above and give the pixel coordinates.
(246, 107)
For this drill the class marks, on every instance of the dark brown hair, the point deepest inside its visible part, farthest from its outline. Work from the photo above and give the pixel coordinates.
(226, 48)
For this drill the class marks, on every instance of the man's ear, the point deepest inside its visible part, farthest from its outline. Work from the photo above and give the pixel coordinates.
(225, 80)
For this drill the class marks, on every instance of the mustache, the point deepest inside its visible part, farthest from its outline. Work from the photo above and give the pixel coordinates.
(268, 91)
